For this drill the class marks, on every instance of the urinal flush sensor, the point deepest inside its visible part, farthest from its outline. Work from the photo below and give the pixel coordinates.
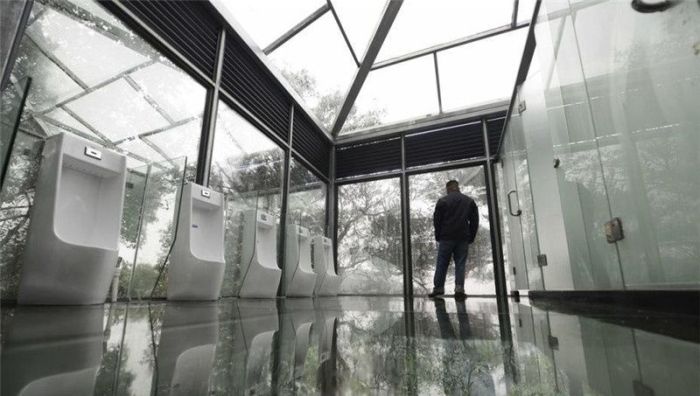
(93, 153)
(206, 193)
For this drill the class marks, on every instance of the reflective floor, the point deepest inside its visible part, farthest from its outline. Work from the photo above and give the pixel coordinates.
(346, 345)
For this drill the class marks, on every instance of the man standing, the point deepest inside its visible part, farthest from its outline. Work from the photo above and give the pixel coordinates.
(456, 221)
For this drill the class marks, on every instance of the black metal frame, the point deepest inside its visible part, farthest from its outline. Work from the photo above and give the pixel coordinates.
(403, 174)
(216, 93)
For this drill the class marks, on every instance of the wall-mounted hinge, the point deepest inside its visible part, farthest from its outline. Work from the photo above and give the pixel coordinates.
(553, 343)
(542, 260)
(613, 230)
(522, 106)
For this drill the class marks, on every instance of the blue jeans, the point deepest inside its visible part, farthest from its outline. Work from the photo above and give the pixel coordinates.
(446, 250)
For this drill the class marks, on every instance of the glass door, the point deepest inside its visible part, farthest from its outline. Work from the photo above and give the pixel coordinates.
(424, 191)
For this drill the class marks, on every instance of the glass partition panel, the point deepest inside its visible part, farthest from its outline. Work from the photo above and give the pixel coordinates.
(95, 78)
(425, 190)
(642, 88)
(359, 19)
(369, 237)
(247, 167)
(16, 199)
(160, 211)
(11, 104)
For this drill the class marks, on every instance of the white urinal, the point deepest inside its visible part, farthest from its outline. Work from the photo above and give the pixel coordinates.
(187, 348)
(261, 275)
(197, 261)
(51, 351)
(72, 247)
(327, 281)
(299, 272)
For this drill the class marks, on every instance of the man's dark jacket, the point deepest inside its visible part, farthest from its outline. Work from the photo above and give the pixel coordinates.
(456, 218)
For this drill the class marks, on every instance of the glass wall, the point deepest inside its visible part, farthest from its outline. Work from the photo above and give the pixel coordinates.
(94, 78)
(306, 202)
(424, 191)
(247, 167)
(370, 258)
(608, 130)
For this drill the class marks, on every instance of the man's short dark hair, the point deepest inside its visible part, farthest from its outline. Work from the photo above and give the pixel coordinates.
(452, 184)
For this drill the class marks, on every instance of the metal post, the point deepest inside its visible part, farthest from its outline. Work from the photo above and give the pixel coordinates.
(406, 226)
(286, 169)
(496, 248)
(206, 143)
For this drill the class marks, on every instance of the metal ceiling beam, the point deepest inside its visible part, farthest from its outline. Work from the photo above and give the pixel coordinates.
(514, 17)
(388, 16)
(343, 33)
(451, 44)
(297, 28)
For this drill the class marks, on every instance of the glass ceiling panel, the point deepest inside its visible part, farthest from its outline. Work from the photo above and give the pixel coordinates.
(267, 20)
(480, 72)
(395, 93)
(318, 65)
(79, 48)
(359, 19)
(118, 111)
(422, 24)
(525, 10)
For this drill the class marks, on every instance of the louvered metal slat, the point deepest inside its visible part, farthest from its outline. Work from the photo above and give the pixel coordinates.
(309, 142)
(367, 158)
(244, 78)
(457, 143)
(187, 25)
(495, 128)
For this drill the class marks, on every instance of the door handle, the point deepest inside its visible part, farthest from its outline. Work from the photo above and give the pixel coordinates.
(510, 205)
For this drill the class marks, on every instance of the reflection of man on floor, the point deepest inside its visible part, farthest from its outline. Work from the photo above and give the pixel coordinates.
(462, 372)
(456, 221)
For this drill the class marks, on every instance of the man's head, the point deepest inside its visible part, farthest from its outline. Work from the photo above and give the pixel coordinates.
(452, 186)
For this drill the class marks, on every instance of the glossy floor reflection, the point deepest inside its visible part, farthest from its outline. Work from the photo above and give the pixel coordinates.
(346, 345)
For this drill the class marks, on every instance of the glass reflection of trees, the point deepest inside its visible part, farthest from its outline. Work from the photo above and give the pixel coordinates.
(369, 237)
(306, 204)
(425, 190)
(247, 167)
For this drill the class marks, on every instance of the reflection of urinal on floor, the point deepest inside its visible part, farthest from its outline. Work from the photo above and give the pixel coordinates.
(327, 281)
(187, 348)
(300, 276)
(296, 322)
(261, 275)
(72, 248)
(52, 351)
(327, 353)
(197, 262)
(258, 324)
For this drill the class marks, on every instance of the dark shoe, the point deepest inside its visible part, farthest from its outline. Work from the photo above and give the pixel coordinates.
(434, 294)
(460, 296)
